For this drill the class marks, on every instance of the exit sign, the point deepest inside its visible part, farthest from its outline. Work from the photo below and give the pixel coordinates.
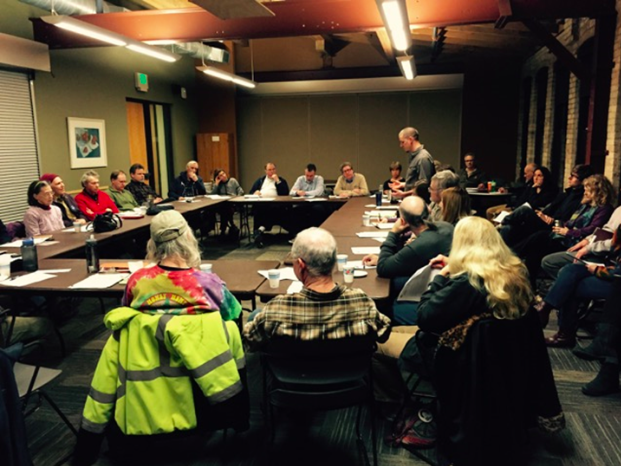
(141, 82)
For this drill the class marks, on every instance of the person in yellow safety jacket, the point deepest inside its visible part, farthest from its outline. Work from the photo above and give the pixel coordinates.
(145, 372)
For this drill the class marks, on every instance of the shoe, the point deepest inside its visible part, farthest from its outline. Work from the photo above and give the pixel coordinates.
(422, 433)
(561, 340)
(543, 312)
(588, 353)
(605, 383)
(258, 237)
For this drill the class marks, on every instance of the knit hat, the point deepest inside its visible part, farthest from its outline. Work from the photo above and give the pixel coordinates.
(49, 177)
(167, 225)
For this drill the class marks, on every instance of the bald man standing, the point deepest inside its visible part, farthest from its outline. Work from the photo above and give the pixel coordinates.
(420, 166)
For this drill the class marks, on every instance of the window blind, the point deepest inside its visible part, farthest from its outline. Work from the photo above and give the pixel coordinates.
(19, 161)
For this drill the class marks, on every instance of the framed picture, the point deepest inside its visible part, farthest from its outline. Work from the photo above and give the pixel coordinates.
(87, 143)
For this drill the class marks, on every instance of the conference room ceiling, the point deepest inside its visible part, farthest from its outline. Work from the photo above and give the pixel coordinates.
(341, 34)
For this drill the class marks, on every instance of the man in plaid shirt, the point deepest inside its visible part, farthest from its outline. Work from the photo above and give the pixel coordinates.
(323, 309)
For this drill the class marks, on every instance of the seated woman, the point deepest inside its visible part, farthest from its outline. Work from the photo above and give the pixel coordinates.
(171, 369)
(575, 282)
(395, 176)
(41, 217)
(65, 202)
(594, 212)
(539, 195)
(481, 280)
(454, 205)
(225, 186)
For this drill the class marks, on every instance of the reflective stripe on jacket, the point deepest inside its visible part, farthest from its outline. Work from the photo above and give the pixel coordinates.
(144, 373)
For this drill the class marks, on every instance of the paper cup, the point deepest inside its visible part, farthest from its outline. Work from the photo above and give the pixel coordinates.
(274, 278)
(341, 260)
(77, 227)
(348, 274)
(206, 268)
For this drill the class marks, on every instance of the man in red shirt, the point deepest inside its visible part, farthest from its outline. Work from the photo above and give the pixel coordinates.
(91, 200)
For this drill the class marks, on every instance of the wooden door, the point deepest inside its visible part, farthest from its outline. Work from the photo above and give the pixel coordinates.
(137, 134)
(215, 150)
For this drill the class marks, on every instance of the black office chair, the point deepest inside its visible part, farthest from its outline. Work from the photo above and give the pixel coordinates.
(318, 376)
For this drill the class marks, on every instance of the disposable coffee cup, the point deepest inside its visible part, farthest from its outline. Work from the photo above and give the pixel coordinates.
(341, 260)
(348, 274)
(77, 227)
(274, 278)
(206, 268)
(5, 266)
(366, 220)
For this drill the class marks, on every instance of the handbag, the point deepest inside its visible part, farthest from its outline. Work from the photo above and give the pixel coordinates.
(156, 209)
(106, 222)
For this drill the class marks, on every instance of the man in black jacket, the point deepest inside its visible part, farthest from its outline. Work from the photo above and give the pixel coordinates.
(265, 217)
(188, 183)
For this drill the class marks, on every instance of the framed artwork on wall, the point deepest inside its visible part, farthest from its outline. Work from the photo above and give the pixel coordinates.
(87, 143)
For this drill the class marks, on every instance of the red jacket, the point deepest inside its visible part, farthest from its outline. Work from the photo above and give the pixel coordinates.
(91, 207)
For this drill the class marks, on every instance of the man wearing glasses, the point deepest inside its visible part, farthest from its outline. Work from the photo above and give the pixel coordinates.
(350, 183)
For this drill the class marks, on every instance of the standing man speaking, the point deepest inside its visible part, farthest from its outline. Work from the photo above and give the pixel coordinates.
(420, 166)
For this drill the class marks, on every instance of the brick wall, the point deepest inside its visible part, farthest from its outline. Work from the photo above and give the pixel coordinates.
(584, 29)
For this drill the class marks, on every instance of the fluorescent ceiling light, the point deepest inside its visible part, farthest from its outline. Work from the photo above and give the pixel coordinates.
(95, 32)
(408, 67)
(154, 52)
(85, 29)
(395, 16)
(225, 76)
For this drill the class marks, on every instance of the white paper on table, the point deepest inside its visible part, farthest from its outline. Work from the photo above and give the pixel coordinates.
(295, 287)
(100, 280)
(379, 240)
(251, 196)
(384, 226)
(286, 273)
(254, 199)
(217, 196)
(19, 242)
(55, 270)
(383, 207)
(359, 265)
(28, 279)
(363, 250)
(380, 213)
(83, 229)
(418, 284)
(316, 199)
(372, 234)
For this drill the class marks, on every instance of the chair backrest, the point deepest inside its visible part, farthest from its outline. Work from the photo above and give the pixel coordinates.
(491, 390)
(320, 374)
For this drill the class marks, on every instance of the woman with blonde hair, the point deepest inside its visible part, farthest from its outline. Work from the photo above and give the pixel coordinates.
(454, 205)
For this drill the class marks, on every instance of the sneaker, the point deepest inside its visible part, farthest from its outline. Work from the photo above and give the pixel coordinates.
(423, 432)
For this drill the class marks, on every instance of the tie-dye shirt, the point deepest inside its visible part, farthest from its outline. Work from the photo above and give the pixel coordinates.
(158, 290)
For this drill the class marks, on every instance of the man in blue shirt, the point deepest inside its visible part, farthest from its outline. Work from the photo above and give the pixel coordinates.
(309, 184)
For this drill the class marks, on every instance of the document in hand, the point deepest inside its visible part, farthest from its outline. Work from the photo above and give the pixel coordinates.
(417, 284)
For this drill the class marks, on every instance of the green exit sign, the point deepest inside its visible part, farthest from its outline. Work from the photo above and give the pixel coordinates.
(141, 81)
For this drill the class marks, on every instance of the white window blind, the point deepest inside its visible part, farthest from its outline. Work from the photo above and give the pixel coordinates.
(19, 162)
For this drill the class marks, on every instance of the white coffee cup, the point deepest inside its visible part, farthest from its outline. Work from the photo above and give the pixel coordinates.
(274, 278)
(341, 260)
(77, 227)
(366, 220)
(348, 274)
(5, 266)
(206, 268)
(133, 266)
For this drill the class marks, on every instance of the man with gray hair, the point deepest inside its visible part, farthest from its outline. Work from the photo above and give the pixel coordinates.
(420, 166)
(323, 310)
(439, 182)
(401, 256)
(188, 183)
(91, 200)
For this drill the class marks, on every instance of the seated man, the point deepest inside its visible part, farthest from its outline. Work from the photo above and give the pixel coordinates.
(270, 185)
(137, 186)
(323, 309)
(439, 182)
(350, 183)
(123, 199)
(307, 214)
(188, 183)
(400, 258)
(470, 176)
(516, 190)
(91, 200)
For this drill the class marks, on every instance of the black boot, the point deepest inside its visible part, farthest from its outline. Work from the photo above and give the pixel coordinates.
(604, 342)
(606, 381)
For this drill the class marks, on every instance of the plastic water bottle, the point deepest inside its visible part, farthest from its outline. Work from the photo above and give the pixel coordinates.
(378, 197)
(30, 259)
(92, 255)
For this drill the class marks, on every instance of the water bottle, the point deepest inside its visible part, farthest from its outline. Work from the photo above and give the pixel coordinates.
(378, 197)
(30, 260)
(92, 255)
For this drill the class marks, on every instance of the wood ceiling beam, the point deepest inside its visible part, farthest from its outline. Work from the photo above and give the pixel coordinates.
(380, 41)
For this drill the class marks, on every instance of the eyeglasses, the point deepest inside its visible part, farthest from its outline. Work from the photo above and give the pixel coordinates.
(573, 175)
(431, 190)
